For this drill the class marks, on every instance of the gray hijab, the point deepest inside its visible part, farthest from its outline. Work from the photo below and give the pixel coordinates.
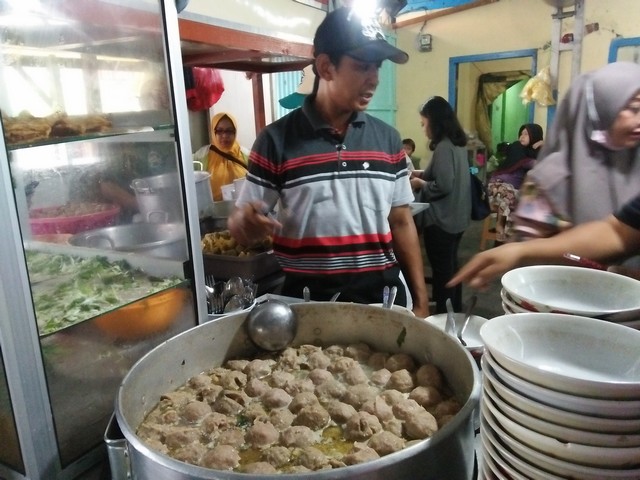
(584, 179)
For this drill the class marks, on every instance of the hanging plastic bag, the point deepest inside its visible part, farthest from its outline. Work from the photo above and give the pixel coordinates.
(204, 87)
(538, 89)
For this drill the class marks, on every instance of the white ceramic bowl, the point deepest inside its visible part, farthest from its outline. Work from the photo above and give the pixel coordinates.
(498, 467)
(493, 447)
(571, 354)
(511, 305)
(589, 455)
(620, 409)
(543, 461)
(556, 415)
(471, 334)
(559, 432)
(573, 290)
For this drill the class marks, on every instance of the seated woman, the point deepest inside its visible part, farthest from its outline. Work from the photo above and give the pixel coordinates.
(224, 158)
(507, 179)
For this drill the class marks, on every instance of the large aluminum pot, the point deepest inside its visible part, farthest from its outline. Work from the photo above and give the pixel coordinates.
(164, 240)
(448, 454)
(159, 198)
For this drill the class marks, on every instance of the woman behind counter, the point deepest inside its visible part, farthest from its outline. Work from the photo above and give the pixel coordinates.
(445, 185)
(224, 158)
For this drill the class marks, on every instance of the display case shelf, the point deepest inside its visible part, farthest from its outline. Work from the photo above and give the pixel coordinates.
(86, 108)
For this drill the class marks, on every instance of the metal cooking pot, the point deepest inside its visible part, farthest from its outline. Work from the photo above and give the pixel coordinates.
(204, 195)
(159, 198)
(448, 454)
(165, 240)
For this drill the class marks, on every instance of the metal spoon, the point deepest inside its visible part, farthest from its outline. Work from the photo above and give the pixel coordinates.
(467, 317)
(385, 296)
(234, 304)
(392, 296)
(306, 294)
(272, 325)
(450, 325)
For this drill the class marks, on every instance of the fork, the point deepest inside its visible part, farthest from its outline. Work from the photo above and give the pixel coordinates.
(217, 300)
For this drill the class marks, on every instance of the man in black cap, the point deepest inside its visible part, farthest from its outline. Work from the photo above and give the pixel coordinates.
(330, 182)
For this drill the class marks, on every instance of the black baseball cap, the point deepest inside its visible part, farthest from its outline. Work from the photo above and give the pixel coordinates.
(343, 32)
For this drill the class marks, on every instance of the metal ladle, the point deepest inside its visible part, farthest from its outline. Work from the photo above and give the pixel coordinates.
(272, 325)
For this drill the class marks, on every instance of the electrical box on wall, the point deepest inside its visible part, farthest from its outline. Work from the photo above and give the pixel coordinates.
(424, 42)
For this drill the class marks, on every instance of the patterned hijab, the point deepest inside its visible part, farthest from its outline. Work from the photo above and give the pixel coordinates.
(581, 176)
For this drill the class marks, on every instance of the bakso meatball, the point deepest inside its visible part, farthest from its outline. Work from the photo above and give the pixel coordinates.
(355, 375)
(394, 426)
(312, 458)
(400, 380)
(378, 407)
(233, 380)
(302, 400)
(385, 442)
(399, 361)
(429, 376)
(216, 421)
(278, 456)
(406, 408)
(377, 360)
(275, 398)
(318, 360)
(256, 388)
(341, 365)
(330, 389)
(318, 376)
(392, 397)
(261, 434)
(358, 395)
(334, 351)
(422, 425)
(281, 418)
(231, 436)
(380, 377)
(298, 436)
(298, 386)
(181, 436)
(258, 368)
(426, 396)
(195, 411)
(176, 399)
(238, 365)
(280, 379)
(227, 406)
(191, 453)
(221, 457)
(259, 468)
(447, 407)
(313, 416)
(289, 359)
(340, 412)
(254, 410)
(170, 417)
(361, 426)
(359, 351)
(210, 394)
(199, 381)
(360, 454)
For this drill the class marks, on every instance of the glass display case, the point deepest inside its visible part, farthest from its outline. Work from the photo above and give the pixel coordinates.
(98, 216)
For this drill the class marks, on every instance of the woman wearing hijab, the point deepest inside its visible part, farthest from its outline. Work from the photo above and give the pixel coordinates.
(445, 184)
(507, 179)
(224, 158)
(589, 165)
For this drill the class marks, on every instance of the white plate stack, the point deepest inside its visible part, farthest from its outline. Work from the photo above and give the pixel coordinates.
(572, 290)
(561, 398)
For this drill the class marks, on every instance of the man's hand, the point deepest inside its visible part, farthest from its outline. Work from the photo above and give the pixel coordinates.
(249, 226)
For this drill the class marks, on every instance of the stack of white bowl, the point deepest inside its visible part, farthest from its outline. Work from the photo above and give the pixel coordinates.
(561, 398)
(572, 290)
